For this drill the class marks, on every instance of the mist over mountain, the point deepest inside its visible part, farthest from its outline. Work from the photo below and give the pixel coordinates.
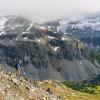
(86, 29)
(46, 10)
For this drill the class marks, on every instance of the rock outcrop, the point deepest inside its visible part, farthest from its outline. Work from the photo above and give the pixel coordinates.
(13, 87)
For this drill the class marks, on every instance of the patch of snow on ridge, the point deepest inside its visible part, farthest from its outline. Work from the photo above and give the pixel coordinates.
(51, 37)
(3, 33)
(2, 27)
(38, 40)
(55, 48)
(25, 38)
(65, 33)
(25, 32)
(43, 28)
(17, 26)
(3, 20)
(63, 38)
(29, 27)
(66, 38)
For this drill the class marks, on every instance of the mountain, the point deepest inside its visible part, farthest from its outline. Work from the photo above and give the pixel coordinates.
(86, 29)
(44, 53)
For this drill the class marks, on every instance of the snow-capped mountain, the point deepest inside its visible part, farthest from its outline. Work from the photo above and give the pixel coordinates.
(85, 29)
(10, 23)
(14, 28)
(90, 23)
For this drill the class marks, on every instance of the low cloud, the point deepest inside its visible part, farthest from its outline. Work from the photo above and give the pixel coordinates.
(45, 10)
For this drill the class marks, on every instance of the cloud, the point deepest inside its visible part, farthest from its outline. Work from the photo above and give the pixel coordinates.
(43, 10)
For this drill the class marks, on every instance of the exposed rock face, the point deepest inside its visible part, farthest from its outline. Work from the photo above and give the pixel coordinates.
(44, 55)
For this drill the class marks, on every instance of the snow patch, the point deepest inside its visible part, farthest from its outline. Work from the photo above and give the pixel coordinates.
(63, 38)
(50, 37)
(3, 20)
(2, 27)
(38, 40)
(3, 33)
(86, 44)
(43, 28)
(65, 33)
(56, 48)
(25, 38)
(97, 46)
(17, 26)
(25, 32)
(29, 27)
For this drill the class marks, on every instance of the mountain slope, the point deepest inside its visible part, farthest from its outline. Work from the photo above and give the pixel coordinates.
(44, 53)
(13, 87)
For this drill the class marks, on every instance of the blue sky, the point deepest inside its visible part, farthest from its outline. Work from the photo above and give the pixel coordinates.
(43, 10)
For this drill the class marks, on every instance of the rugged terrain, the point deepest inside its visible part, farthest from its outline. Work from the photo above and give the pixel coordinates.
(13, 87)
(44, 53)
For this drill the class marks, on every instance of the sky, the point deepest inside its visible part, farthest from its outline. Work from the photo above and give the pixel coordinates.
(45, 10)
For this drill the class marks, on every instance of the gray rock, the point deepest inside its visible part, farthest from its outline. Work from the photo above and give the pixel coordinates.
(16, 81)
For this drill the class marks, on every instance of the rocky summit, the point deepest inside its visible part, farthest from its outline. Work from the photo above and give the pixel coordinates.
(44, 52)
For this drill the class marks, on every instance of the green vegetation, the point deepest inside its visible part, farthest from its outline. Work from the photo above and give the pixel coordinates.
(95, 56)
(73, 90)
(83, 87)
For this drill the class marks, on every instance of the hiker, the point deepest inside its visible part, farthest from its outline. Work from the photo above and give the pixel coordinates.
(76, 49)
(1, 71)
(17, 66)
(1, 67)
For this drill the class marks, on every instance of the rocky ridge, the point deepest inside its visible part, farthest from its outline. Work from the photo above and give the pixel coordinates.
(45, 54)
(13, 87)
